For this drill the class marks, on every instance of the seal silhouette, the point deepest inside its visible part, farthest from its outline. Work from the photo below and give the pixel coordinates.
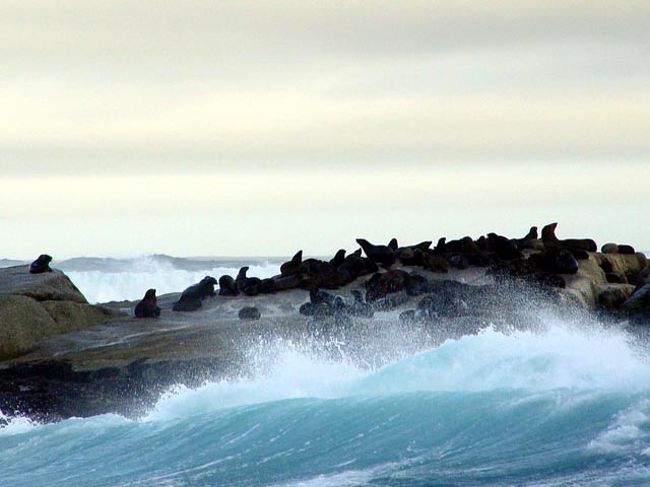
(148, 307)
(191, 299)
(381, 254)
(41, 265)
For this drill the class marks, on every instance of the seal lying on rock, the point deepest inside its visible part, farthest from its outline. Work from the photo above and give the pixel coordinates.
(354, 266)
(381, 254)
(338, 258)
(555, 261)
(551, 241)
(228, 286)
(503, 247)
(250, 286)
(148, 307)
(381, 284)
(529, 241)
(192, 297)
(292, 267)
(41, 265)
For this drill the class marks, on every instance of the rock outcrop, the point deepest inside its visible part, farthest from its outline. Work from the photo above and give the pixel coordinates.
(37, 306)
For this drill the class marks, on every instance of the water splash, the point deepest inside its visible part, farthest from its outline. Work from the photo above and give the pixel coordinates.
(114, 283)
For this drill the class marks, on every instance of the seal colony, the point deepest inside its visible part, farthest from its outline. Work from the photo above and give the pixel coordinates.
(377, 300)
(541, 263)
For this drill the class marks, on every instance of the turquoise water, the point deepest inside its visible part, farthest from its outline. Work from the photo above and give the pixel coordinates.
(559, 407)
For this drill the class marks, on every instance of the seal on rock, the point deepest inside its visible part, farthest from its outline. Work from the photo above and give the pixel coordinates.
(147, 307)
(529, 241)
(293, 265)
(250, 286)
(193, 296)
(556, 261)
(381, 254)
(338, 258)
(551, 241)
(503, 247)
(41, 265)
(228, 286)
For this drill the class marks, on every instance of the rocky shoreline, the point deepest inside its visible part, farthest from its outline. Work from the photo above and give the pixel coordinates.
(62, 357)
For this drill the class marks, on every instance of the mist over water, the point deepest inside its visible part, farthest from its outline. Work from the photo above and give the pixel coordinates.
(566, 405)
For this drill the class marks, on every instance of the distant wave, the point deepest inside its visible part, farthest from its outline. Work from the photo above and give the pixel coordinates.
(103, 280)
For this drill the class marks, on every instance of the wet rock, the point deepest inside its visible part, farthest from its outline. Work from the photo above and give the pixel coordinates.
(609, 248)
(249, 313)
(616, 278)
(359, 307)
(613, 296)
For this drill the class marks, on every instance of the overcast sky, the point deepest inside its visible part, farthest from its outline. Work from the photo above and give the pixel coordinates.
(255, 128)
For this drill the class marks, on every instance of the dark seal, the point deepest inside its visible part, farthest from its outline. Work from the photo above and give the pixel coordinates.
(41, 265)
(228, 286)
(148, 307)
(381, 254)
(250, 286)
(194, 295)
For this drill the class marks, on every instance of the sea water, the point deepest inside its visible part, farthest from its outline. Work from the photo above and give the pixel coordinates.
(567, 405)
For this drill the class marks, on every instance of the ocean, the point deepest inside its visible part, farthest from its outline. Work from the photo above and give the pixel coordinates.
(565, 405)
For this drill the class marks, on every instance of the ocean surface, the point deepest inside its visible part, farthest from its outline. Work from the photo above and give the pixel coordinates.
(567, 405)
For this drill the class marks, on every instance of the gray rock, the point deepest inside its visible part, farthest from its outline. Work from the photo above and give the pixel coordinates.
(37, 306)
(51, 286)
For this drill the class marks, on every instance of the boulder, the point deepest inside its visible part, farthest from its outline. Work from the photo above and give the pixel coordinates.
(584, 284)
(23, 322)
(70, 316)
(612, 296)
(249, 313)
(36, 306)
(50, 286)
(628, 265)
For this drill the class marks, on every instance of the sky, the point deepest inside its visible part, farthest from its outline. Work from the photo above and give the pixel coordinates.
(257, 128)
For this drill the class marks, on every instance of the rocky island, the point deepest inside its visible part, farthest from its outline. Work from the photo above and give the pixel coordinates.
(63, 357)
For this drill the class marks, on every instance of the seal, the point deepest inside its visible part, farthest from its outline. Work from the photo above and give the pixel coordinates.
(472, 252)
(292, 267)
(317, 297)
(191, 299)
(355, 266)
(147, 307)
(41, 265)
(529, 241)
(503, 247)
(250, 286)
(555, 261)
(552, 242)
(338, 258)
(228, 286)
(393, 245)
(381, 254)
